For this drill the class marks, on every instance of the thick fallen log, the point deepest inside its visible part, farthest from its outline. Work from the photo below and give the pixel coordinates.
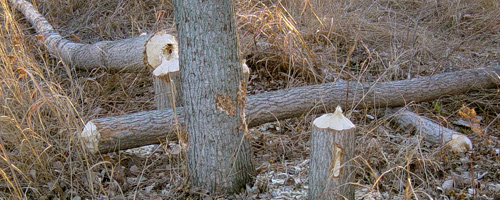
(127, 55)
(431, 131)
(138, 129)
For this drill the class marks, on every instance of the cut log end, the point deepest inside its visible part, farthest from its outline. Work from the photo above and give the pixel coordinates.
(459, 143)
(162, 54)
(90, 137)
(334, 121)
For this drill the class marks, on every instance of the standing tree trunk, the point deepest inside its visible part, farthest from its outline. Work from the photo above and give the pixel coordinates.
(219, 155)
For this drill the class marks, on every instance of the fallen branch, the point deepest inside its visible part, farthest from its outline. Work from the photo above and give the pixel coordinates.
(431, 131)
(138, 129)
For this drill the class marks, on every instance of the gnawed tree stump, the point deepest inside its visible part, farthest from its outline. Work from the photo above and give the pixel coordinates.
(166, 76)
(431, 131)
(332, 148)
(148, 127)
(167, 91)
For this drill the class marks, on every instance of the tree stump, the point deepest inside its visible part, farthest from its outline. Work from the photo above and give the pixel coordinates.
(162, 54)
(167, 91)
(332, 148)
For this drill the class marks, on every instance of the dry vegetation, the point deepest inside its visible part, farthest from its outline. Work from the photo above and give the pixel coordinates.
(288, 43)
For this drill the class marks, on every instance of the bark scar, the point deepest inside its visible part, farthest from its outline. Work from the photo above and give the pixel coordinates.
(336, 167)
(241, 101)
(225, 104)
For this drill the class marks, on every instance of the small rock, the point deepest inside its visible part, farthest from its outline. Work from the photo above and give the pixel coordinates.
(58, 165)
(134, 169)
(448, 185)
(33, 174)
(472, 191)
(149, 188)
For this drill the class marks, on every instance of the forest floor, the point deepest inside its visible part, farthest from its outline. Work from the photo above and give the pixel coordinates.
(287, 43)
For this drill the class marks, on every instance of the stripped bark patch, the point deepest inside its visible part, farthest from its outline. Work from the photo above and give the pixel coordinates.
(337, 162)
(225, 104)
(241, 101)
(241, 95)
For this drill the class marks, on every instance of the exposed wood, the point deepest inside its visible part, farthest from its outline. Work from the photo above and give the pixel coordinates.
(125, 55)
(166, 76)
(332, 150)
(430, 130)
(138, 129)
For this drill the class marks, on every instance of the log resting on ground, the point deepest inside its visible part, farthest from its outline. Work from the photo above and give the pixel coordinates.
(127, 55)
(431, 131)
(142, 128)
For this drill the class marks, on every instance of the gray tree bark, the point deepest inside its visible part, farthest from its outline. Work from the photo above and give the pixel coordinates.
(331, 166)
(121, 55)
(150, 126)
(168, 96)
(219, 155)
(430, 130)
(168, 93)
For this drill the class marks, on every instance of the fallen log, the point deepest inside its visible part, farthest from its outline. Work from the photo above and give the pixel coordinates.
(431, 131)
(138, 129)
(127, 55)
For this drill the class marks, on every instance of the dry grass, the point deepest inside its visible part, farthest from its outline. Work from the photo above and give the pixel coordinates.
(287, 43)
(38, 120)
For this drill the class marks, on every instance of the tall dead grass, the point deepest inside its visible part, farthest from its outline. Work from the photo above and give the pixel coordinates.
(39, 116)
(396, 39)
